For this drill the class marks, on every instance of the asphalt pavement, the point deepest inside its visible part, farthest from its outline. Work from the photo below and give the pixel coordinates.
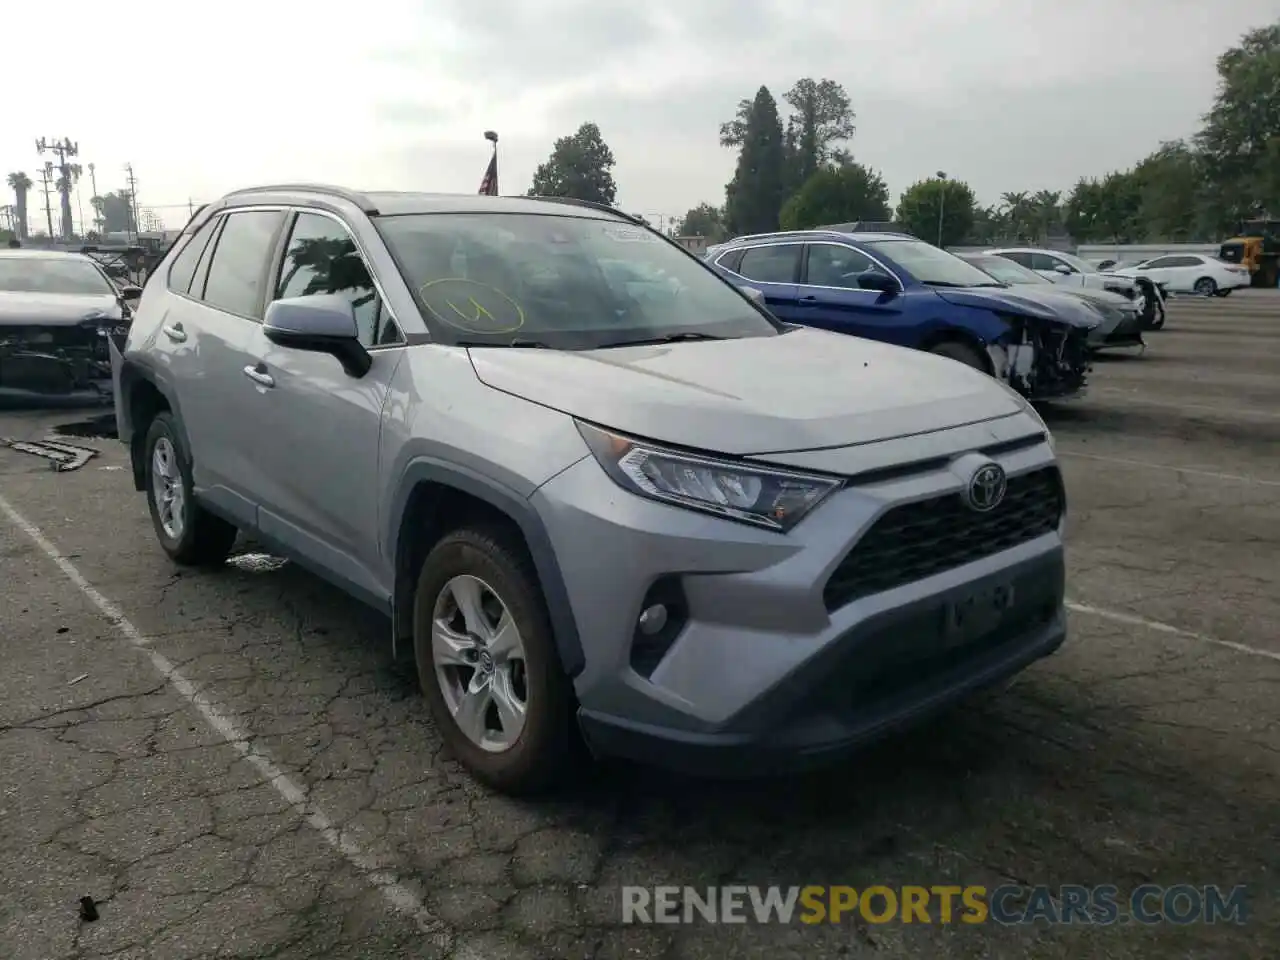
(230, 764)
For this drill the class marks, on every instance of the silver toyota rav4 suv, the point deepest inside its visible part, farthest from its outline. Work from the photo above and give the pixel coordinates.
(606, 496)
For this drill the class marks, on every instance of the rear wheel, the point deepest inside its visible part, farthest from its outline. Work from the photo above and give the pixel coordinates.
(962, 352)
(188, 533)
(1206, 287)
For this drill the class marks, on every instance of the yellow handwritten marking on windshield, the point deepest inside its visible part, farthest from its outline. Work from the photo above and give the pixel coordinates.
(485, 308)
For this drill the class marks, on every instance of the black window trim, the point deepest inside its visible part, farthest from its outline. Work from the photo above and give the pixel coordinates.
(282, 244)
(216, 224)
(206, 256)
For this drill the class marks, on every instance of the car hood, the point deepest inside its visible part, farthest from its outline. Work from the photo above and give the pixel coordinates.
(55, 309)
(801, 390)
(1023, 300)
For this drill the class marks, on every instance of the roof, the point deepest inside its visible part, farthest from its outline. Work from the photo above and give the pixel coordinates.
(844, 235)
(395, 203)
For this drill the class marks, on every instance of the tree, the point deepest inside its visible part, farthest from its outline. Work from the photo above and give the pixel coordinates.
(1171, 202)
(704, 220)
(20, 184)
(754, 197)
(580, 166)
(1047, 212)
(113, 209)
(821, 120)
(940, 211)
(1243, 121)
(837, 194)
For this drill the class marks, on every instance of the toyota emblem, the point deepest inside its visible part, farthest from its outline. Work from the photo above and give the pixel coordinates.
(986, 488)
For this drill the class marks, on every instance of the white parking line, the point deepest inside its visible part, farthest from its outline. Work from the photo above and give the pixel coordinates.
(1134, 621)
(398, 896)
(1211, 474)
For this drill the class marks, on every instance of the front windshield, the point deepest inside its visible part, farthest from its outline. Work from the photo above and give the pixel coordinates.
(52, 275)
(565, 282)
(1006, 271)
(931, 265)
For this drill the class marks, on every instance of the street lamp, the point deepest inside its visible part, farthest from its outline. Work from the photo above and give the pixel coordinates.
(942, 202)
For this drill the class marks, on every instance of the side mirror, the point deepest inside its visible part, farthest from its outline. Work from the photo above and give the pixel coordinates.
(130, 291)
(875, 280)
(755, 296)
(1063, 269)
(321, 324)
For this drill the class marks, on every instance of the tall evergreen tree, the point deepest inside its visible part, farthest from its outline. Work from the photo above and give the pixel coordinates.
(755, 195)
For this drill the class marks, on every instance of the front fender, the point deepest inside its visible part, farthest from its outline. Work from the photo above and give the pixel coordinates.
(519, 509)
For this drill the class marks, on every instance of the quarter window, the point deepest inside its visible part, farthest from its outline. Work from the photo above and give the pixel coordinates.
(322, 258)
(772, 264)
(238, 270)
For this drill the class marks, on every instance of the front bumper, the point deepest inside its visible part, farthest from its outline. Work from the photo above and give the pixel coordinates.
(57, 365)
(762, 675)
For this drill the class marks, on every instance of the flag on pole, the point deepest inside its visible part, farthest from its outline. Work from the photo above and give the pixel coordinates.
(489, 185)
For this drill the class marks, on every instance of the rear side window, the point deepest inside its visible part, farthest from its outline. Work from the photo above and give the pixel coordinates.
(1042, 261)
(774, 264)
(238, 271)
(1022, 259)
(184, 264)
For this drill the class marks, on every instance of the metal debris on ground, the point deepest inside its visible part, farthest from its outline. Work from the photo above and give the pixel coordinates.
(62, 456)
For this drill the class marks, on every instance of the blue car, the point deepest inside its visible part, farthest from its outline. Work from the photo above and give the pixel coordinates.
(897, 289)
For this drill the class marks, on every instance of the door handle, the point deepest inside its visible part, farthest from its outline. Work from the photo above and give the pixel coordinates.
(259, 376)
(175, 332)
(809, 299)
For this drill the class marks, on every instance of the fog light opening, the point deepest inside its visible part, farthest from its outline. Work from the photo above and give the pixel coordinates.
(663, 614)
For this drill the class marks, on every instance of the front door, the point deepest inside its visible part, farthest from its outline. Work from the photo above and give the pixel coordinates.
(832, 297)
(318, 429)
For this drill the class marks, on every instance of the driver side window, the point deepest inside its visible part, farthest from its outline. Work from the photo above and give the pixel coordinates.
(833, 265)
(1042, 261)
(322, 258)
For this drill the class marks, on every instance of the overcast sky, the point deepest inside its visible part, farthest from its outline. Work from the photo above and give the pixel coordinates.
(202, 98)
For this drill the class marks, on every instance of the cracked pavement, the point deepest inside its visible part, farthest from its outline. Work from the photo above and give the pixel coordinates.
(1134, 755)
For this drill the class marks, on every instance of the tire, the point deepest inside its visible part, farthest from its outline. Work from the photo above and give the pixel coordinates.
(962, 352)
(541, 750)
(1223, 293)
(190, 535)
(1206, 287)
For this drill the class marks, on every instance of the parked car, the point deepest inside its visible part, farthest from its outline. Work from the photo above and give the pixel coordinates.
(1121, 318)
(1070, 271)
(673, 527)
(57, 311)
(1191, 273)
(901, 290)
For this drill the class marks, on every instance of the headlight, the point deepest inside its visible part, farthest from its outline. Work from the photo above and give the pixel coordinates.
(1032, 412)
(762, 496)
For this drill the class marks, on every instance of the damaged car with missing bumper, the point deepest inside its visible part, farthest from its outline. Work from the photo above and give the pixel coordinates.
(58, 314)
(897, 289)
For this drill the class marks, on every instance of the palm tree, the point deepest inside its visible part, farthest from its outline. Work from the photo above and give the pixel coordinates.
(1048, 210)
(20, 183)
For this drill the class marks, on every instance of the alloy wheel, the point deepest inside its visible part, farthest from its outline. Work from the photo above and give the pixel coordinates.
(479, 660)
(166, 488)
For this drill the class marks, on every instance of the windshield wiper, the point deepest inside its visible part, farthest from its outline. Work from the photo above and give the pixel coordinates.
(665, 338)
(517, 342)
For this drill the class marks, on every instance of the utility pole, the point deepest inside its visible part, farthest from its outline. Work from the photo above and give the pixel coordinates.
(942, 202)
(133, 200)
(68, 174)
(95, 201)
(46, 184)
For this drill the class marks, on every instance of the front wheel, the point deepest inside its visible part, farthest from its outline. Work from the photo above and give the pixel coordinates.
(1206, 287)
(189, 534)
(487, 662)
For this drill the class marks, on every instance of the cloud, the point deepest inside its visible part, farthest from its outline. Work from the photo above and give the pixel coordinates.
(1006, 94)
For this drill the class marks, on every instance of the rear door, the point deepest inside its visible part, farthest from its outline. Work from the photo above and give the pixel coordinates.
(208, 331)
(832, 298)
(774, 269)
(1165, 270)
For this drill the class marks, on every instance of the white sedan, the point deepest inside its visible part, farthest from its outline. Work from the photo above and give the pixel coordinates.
(1191, 273)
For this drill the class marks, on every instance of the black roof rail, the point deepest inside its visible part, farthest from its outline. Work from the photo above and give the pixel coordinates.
(591, 204)
(351, 196)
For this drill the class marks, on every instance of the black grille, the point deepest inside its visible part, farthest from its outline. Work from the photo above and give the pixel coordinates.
(917, 540)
